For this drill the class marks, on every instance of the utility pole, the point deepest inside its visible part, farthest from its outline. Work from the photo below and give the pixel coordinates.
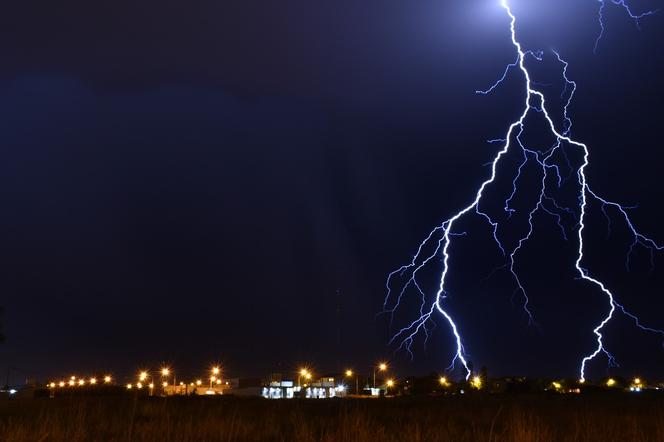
(339, 346)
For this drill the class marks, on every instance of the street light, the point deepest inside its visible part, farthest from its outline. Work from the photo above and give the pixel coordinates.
(637, 385)
(389, 384)
(215, 373)
(107, 379)
(304, 373)
(143, 377)
(165, 373)
(443, 381)
(381, 367)
(349, 374)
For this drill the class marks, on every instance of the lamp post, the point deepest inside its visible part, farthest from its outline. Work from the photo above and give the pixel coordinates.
(349, 374)
(381, 367)
(389, 384)
(165, 373)
(303, 373)
(142, 377)
(215, 372)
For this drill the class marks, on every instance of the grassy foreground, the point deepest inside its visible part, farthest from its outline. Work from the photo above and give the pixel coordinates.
(605, 417)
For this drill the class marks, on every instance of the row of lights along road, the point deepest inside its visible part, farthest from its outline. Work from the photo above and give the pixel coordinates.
(303, 374)
(165, 372)
(73, 381)
(215, 378)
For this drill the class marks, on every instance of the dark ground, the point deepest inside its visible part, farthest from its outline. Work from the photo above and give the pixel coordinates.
(599, 417)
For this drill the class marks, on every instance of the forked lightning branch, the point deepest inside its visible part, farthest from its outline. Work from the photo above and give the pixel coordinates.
(404, 281)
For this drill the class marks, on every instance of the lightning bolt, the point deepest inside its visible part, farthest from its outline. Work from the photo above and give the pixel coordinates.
(636, 17)
(438, 242)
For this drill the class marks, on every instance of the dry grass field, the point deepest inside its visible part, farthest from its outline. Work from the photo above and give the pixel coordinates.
(598, 417)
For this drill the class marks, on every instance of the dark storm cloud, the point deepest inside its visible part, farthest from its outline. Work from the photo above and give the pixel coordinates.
(206, 175)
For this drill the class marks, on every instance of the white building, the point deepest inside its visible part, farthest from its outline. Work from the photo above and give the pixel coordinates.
(321, 389)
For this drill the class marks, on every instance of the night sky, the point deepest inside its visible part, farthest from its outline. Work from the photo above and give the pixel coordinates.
(232, 181)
